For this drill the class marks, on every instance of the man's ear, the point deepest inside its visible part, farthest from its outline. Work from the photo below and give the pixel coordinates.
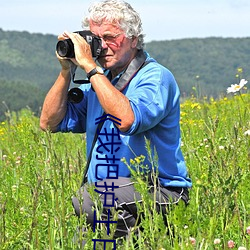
(134, 42)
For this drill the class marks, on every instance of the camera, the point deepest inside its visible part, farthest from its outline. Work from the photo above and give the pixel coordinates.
(65, 48)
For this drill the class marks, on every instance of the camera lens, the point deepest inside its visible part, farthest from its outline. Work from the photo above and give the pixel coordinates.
(75, 95)
(65, 48)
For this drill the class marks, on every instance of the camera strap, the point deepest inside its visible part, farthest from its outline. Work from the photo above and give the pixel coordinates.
(136, 64)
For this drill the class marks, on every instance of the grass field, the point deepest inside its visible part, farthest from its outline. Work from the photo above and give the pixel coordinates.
(40, 172)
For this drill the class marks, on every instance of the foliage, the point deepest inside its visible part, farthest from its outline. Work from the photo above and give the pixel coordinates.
(208, 62)
(28, 68)
(14, 95)
(40, 172)
(28, 58)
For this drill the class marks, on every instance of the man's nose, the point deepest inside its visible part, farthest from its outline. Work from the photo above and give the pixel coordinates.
(104, 44)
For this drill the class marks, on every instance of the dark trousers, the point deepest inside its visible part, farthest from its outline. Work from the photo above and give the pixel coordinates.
(125, 204)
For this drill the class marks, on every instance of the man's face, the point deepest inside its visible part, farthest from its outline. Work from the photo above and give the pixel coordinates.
(118, 50)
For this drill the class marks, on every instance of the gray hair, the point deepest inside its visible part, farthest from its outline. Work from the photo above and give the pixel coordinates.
(120, 13)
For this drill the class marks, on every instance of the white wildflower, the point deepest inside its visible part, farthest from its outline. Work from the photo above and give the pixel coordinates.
(242, 248)
(217, 241)
(247, 133)
(236, 87)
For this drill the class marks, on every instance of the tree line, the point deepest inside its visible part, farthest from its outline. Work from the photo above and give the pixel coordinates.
(202, 67)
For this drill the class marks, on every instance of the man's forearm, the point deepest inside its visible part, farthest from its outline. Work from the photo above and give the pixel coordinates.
(55, 103)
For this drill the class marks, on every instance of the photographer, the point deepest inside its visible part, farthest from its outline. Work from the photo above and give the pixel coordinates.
(131, 86)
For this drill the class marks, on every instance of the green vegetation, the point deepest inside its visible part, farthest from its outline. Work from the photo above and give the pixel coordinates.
(209, 63)
(40, 172)
(16, 95)
(28, 66)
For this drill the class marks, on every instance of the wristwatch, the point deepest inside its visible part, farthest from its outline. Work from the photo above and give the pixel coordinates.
(96, 70)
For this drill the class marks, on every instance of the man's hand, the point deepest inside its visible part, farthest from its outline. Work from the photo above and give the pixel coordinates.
(66, 63)
(83, 54)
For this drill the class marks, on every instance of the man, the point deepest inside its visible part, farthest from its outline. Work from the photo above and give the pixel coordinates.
(139, 93)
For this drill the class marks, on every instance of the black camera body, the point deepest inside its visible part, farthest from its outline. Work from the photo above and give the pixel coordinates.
(65, 48)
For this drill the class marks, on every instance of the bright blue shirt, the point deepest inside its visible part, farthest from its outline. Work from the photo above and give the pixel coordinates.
(154, 97)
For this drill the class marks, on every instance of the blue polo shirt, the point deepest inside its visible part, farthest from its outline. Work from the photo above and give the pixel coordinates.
(154, 97)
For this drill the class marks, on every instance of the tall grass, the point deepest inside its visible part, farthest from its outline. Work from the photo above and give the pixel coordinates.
(40, 172)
